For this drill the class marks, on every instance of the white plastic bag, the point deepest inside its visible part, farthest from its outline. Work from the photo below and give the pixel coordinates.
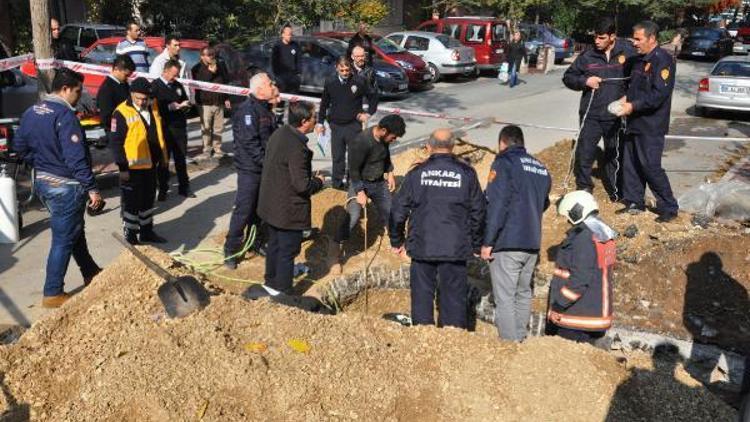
(503, 74)
(728, 199)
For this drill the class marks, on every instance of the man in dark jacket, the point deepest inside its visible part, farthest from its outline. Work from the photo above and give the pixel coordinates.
(517, 193)
(174, 105)
(366, 73)
(211, 105)
(285, 190)
(443, 203)
(62, 49)
(342, 105)
(285, 62)
(252, 126)
(516, 55)
(580, 297)
(600, 73)
(114, 90)
(364, 40)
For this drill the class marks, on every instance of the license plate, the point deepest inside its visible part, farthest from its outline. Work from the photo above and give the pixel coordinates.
(94, 134)
(402, 87)
(731, 89)
(427, 76)
(698, 53)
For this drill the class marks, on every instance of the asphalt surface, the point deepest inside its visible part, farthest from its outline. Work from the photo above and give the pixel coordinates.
(540, 100)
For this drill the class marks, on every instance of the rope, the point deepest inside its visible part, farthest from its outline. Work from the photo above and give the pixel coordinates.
(573, 151)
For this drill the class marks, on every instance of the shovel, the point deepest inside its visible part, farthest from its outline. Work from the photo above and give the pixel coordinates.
(180, 296)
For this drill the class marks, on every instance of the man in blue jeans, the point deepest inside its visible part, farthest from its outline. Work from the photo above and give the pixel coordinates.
(51, 140)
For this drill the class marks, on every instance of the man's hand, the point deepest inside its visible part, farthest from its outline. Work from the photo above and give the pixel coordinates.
(627, 109)
(391, 182)
(185, 104)
(593, 82)
(95, 199)
(319, 176)
(124, 176)
(486, 253)
(320, 129)
(400, 251)
(363, 117)
(212, 67)
(362, 198)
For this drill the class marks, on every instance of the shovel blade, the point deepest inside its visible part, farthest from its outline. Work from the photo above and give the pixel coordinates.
(183, 296)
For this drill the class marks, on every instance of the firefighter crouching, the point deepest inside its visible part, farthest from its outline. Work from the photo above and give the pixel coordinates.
(580, 299)
(139, 149)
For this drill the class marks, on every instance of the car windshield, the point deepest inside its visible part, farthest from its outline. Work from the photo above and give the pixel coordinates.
(741, 69)
(106, 33)
(448, 42)
(705, 33)
(337, 46)
(558, 34)
(388, 46)
(101, 54)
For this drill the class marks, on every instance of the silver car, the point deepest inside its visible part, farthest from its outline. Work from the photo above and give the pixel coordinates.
(444, 55)
(727, 87)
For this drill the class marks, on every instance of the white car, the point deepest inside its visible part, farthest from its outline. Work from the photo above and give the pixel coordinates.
(444, 55)
(727, 87)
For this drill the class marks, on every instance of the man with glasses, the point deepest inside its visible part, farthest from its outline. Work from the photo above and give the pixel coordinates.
(62, 49)
(363, 70)
(134, 47)
(211, 105)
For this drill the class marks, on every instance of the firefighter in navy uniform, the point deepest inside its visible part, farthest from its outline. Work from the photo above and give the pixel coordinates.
(252, 125)
(139, 149)
(443, 202)
(647, 106)
(600, 72)
(580, 298)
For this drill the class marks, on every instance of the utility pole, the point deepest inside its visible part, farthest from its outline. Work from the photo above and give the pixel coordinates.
(41, 35)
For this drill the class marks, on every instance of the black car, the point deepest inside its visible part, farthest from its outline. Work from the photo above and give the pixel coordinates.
(710, 43)
(319, 55)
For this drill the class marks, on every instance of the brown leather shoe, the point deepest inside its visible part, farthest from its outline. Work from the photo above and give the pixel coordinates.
(55, 301)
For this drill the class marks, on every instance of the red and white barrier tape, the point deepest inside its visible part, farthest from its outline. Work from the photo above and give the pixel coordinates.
(13, 62)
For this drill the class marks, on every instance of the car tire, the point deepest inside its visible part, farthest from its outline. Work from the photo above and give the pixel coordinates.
(434, 71)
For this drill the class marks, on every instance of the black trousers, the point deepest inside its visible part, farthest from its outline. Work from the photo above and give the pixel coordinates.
(341, 136)
(244, 212)
(288, 84)
(381, 198)
(452, 292)
(283, 247)
(579, 336)
(137, 198)
(641, 166)
(588, 140)
(176, 139)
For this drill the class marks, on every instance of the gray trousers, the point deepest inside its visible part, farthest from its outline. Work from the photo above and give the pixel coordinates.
(511, 273)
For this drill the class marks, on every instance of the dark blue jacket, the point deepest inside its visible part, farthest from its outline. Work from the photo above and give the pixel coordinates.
(444, 204)
(51, 140)
(581, 289)
(593, 62)
(650, 92)
(518, 194)
(252, 125)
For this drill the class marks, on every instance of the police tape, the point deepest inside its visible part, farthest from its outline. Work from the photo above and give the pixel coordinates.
(13, 62)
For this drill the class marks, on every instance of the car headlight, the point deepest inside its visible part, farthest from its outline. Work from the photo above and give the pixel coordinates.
(382, 74)
(404, 64)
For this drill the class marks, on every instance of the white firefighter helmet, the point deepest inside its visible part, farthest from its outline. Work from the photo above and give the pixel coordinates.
(577, 205)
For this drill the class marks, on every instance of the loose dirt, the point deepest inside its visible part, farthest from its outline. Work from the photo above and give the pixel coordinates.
(110, 354)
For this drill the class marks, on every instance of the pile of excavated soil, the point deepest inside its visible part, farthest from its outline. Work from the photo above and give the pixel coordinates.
(110, 354)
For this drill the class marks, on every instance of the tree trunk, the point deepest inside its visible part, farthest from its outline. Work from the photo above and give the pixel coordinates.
(42, 41)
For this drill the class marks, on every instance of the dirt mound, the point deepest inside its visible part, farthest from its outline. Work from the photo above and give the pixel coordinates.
(109, 354)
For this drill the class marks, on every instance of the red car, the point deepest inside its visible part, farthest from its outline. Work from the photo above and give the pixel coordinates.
(416, 69)
(488, 36)
(102, 52)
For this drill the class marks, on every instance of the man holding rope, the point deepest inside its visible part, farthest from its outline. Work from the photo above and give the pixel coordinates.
(600, 73)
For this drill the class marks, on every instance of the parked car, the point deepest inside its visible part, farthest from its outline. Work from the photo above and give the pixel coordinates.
(415, 68)
(733, 28)
(319, 55)
(19, 94)
(488, 37)
(727, 87)
(742, 39)
(444, 54)
(82, 35)
(712, 43)
(536, 36)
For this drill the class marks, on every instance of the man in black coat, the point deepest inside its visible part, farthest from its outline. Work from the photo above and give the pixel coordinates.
(364, 40)
(173, 104)
(287, 183)
(285, 62)
(62, 49)
(114, 90)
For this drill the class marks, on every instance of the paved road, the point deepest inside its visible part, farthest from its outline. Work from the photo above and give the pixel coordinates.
(541, 99)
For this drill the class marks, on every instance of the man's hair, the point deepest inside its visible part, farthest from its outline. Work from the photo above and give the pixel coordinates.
(299, 111)
(169, 38)
(286, 25)
(66, 78)
(131, 23)
(257, 80)
(343, 61)
(438, 143)
(172, 63)
(650, 29)
(393, 124)
(123, 62)
(512, 135)
(605, 26)
(54, 19)
(208, 50)
(359, 47)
